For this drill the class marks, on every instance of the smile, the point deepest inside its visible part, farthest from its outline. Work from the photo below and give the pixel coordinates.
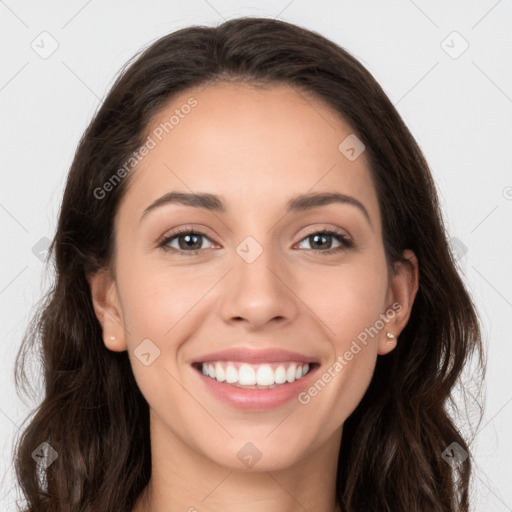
(254, 376)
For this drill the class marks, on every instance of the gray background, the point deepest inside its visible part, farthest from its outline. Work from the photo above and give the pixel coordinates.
(457, 102)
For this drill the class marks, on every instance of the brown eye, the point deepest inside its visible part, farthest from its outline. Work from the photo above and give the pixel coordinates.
(188, 241)
(322, 241)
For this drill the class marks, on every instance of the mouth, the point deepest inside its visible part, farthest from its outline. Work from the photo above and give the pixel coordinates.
(254, 380)
(247, 375)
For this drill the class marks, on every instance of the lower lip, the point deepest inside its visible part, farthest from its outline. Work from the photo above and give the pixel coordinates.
(256, 399)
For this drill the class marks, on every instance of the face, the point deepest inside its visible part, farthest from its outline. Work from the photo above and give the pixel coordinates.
(249, 281)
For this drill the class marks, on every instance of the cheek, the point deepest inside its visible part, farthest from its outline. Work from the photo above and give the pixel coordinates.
(352, 304)
(164, 305)
(159, 314)
(347, 299)
(158, 298)
(354, 378)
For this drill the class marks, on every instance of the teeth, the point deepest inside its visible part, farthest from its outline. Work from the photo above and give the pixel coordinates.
(231, 374)
(280, 375)
(290, 373)
(220, 374)
(246, 375)
(259, 375)
(264, 376)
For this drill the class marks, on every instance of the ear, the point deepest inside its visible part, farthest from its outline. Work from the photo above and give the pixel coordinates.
(402, 290)
(107, 307)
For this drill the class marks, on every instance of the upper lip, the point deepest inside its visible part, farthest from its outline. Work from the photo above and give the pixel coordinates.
(254, 356)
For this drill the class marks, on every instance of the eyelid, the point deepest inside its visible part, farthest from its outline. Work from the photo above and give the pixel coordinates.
(329, 229)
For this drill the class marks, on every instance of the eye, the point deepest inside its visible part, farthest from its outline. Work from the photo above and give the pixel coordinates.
(320, 240)
(189, 241)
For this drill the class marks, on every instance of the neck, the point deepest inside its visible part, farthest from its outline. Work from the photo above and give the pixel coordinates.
(182, 479)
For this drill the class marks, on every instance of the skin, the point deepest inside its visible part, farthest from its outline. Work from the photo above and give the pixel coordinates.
(256, 148)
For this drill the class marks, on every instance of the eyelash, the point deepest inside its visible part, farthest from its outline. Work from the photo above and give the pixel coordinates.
(344, 241)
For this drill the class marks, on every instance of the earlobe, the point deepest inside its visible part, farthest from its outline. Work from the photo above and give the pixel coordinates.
(401, 295)
(106, 305)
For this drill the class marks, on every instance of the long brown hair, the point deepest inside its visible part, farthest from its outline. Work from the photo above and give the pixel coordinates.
(92, 412)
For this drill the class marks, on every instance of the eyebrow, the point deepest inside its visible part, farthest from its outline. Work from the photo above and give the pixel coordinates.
(214, 203)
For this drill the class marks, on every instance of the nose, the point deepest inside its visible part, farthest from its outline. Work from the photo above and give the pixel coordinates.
(258, 293)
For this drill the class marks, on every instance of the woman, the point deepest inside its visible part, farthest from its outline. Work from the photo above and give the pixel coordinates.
(255, 305)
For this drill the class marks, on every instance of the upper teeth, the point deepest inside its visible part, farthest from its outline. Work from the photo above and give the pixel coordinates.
(246, 374)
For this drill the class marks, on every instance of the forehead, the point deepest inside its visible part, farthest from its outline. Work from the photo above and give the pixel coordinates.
(253, 146)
